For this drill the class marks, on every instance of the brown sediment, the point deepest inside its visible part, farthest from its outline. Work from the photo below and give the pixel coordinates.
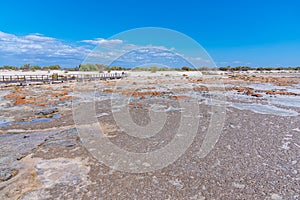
(280, 81)
(21, 100)
(281, 93)
(179, 97)
(242, 78)
(135, 105)
(109, 91)
(40, 96)
(251, 91)
(65, 98)
(142, 94)
(18, 96)
(239, 89)
(58, 94)
(38, 101)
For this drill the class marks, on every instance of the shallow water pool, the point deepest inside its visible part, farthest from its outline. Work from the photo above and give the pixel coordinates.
(38, 120)
(4, 122)
(264, 109)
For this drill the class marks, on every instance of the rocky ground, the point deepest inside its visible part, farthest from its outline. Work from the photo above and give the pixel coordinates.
(44, 154)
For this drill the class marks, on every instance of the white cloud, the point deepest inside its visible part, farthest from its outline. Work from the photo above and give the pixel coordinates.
(149, 55)
(39, 49)
(103, 42)
(134, 55)
(113, 49)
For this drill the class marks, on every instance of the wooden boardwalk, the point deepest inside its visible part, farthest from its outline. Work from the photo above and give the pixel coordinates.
(27, 79)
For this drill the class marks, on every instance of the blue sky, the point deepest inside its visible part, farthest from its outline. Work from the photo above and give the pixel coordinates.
(255, 33)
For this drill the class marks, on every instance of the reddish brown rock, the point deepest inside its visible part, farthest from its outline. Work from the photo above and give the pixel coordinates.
(21, 100)
(249, 92)
(135, 105)
(65, 98)
(240, 89)
(179, 97)
(136, 93)
(109, 90)
(281, 93)
(59, 94)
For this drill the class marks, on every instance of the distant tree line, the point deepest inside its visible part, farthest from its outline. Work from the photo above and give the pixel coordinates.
(246, 68)
(98, 67)
(28, 67)
(101, 68)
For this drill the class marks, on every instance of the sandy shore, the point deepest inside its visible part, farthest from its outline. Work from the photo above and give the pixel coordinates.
(237, 136)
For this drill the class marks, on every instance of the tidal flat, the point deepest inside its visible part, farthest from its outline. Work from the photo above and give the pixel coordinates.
(43, 151)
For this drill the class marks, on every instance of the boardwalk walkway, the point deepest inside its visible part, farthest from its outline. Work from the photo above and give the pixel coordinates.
(54, 78)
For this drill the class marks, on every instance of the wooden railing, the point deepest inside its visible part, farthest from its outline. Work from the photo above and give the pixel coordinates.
(58, 78)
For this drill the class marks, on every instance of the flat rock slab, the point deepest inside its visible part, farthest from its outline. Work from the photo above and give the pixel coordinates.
(14, 147)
